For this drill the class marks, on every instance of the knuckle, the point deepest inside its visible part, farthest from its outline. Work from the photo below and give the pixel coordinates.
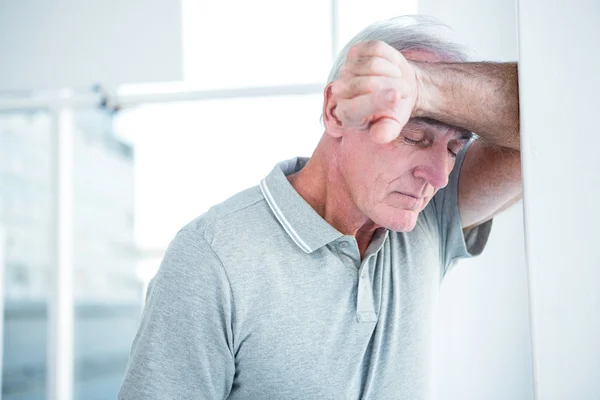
(346, 69)
(378, 46)
(368, 63)
(353, 51)
(374, 64)
(372, 44)
(365, 65)
(372, 84)
(392, 96)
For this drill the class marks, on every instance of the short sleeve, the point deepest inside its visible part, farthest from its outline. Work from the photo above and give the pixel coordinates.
(454, 243)
(183, 347)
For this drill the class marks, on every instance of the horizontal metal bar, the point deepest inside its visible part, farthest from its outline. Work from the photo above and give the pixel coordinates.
(131, 100)
(47, 102)
(290, 90)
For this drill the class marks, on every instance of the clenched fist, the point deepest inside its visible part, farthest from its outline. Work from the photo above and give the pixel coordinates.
(376, 91)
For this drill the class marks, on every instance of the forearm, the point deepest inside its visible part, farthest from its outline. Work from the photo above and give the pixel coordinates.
(480, 97)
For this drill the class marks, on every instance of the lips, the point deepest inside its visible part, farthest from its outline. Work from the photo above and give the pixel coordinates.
(410, 195)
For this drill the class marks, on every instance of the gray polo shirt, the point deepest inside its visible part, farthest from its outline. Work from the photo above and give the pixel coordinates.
(260, 298)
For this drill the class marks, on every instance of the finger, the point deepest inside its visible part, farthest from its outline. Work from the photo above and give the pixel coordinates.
(371, 65)
(375, 48)
(384, 130)
(349, 88)
(360, 111)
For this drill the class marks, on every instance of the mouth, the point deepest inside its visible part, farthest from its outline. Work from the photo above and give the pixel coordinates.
(407, 201)
(409, 195)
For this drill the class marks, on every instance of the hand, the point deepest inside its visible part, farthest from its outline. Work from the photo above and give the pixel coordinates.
(376, 92)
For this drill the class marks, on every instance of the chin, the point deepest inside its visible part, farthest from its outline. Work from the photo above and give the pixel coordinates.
(403, 226)
(398, 221)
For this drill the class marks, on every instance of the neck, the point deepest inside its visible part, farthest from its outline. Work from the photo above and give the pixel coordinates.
(321, 184)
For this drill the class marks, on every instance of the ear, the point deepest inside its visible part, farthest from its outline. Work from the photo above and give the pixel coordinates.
(333, 126)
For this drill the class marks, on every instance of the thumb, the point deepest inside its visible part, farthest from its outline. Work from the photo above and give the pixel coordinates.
(384, 130)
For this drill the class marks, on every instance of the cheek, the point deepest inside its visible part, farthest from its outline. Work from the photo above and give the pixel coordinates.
(371, 169)
(360, 180)
(358, 160)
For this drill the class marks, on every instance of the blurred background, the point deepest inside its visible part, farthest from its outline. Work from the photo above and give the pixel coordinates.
(253, 73)
(120, 121)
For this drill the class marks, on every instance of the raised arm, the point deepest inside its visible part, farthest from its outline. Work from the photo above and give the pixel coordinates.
(480, 97)
(483, 98)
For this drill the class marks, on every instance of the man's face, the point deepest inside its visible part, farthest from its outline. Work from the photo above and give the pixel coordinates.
(392, 183)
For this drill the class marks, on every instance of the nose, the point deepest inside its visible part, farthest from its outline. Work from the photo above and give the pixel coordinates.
(435, 166)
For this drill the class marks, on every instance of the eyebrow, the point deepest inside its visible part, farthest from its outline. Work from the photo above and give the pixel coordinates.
(464, 134)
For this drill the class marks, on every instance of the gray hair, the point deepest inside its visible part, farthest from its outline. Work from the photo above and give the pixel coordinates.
(403, 33)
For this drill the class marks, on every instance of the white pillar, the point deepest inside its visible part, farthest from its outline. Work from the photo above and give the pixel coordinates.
(60, 307)
(559, 77)
(484, 342)
(2, 295)
(335, 30)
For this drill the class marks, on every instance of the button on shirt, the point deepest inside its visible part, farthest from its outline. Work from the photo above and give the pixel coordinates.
(260, 298)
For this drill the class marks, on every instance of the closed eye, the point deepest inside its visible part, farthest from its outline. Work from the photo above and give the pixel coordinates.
(410, 141)
(421, 142)
(451, 153)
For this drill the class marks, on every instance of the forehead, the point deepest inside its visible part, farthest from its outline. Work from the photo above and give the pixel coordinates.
(422, 56)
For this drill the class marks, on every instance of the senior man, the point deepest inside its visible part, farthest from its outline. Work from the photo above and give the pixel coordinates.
(320, 282)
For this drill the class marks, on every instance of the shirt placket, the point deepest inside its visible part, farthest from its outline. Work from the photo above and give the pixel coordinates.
(365, 304)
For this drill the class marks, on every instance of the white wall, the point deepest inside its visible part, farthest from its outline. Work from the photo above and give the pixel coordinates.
(484, 337)
(70, 43)
(559, 85)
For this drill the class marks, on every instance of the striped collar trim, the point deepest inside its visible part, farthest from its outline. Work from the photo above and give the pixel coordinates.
(299, 220)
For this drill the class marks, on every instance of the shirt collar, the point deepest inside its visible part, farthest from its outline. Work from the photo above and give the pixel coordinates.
(301, 222)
